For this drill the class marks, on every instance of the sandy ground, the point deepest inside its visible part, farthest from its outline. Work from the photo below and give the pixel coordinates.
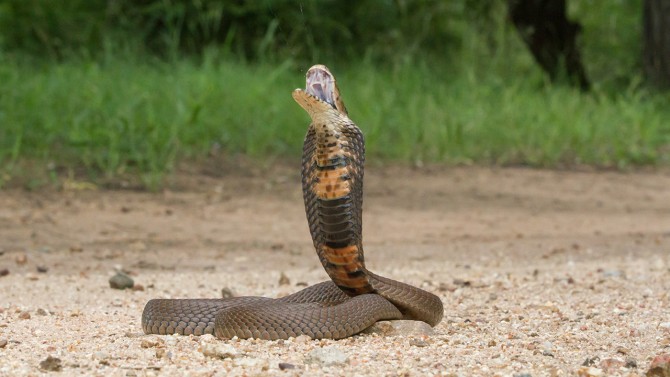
(541, 273)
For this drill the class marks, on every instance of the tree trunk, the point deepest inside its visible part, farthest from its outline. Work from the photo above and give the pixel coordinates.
(551, 37)
(656, 20)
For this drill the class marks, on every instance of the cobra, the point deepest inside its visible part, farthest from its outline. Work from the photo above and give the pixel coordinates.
(332, 183)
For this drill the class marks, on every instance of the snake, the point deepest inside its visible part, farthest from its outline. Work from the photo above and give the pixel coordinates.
(354, 298)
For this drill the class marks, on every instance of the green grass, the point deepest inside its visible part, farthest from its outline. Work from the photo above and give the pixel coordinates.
(509, 121)
(142, 118)
(106, 120)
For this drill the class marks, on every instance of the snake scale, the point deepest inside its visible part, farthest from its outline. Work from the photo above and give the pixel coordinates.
(355, 298)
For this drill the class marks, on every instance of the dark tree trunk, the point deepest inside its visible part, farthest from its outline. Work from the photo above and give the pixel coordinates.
(656, 20)
(551, 37)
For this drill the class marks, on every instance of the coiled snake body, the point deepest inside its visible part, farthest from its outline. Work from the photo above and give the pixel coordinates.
(355, 298)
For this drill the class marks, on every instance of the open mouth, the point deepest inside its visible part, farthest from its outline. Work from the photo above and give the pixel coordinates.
(321, 84)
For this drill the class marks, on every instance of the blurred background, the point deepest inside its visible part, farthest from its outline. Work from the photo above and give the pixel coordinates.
(102, 90)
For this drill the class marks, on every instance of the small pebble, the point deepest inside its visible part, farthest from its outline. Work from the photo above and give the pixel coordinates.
(24, 315)
(660, 366)
(4, 272)
(121, 281)
(42, 269)
(152, 342)
(301, 339)
(219, 350)
(21, 259)
(326, 356)
(227, 293)
(611, 365)
(590, 361)
(400, 327)
(547, 349)
(41, 311)
(100, 355)
(252, 362)
(138, 287)
(665, 325)
(284, 366)
(418, 342)
(284, 280)
(51, 364)
(589, 372)
(3, 343)
(522, 375)
(612, 273)
(462, 283)
(161, 353)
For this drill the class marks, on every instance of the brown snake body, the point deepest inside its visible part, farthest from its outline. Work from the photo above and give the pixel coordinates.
(332, 182)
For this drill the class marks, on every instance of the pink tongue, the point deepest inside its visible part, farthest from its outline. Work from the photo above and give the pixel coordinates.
(317, 90)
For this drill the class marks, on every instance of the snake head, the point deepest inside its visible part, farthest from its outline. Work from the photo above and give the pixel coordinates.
(321, 85)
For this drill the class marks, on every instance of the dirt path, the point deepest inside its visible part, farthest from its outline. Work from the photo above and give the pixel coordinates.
(539, 271)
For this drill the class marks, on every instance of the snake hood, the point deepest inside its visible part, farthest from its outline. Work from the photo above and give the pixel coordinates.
(332, 175)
